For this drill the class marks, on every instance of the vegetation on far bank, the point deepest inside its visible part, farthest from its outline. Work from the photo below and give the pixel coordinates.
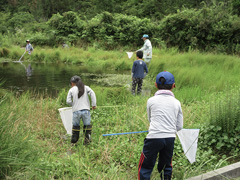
(205, 26)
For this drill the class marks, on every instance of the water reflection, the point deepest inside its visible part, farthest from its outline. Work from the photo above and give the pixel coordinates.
(28, 69)
(46, 78)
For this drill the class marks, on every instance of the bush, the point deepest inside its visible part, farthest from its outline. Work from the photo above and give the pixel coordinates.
(4, 52)
(42, 39)
(209, 29)
(68, 27)
(117, 29)
(19, 20)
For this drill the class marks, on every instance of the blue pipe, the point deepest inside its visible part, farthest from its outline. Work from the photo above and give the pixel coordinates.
(124, 133)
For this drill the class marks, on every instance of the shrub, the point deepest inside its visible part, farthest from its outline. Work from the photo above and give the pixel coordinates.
(42, 39)
(114, 29)
(205, 29)
(4, 52)
(68, 27)
(19, 20)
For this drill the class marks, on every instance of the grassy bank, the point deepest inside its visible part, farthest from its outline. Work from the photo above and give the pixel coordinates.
(34, 147)
(32, 134)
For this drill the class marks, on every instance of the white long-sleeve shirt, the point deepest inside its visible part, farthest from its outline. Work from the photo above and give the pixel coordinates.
(82, 102)
(29, 48)
(147, 49)
(165, 115)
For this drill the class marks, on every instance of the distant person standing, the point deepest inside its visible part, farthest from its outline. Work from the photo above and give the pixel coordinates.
(64, 45)
(139, 71)
(147, 49)
(29, 47)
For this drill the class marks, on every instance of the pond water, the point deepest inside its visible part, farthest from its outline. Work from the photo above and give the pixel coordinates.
(44, 78)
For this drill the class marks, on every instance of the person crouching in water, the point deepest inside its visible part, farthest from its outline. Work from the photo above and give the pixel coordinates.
(78, 98)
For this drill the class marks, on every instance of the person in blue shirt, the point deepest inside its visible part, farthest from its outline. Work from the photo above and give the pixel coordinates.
(139, 71)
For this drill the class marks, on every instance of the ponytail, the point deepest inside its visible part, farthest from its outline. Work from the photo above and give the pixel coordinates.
(77, 80)
(81, 88)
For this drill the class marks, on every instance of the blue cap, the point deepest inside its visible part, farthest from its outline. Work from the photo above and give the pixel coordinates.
(145, 36)
(168, 77)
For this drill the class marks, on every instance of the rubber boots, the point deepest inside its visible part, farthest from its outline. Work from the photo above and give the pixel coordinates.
(87, 130)
(75, 134)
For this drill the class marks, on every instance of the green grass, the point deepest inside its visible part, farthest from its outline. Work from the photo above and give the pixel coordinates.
(34, 147)
(31, 131)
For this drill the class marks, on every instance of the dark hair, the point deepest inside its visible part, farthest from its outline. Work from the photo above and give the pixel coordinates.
(139, 54)
(77, 80)
(162, 85)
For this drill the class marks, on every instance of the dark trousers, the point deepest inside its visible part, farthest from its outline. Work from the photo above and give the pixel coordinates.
(163, 148)
(137, 82)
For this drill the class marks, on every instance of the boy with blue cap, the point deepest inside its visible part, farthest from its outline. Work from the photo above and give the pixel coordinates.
(166, 118)
(147, 49)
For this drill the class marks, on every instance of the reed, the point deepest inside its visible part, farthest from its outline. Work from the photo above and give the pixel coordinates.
(34, 147)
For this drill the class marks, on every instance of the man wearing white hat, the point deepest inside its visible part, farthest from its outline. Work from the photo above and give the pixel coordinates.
(147, 49)
(29, 47)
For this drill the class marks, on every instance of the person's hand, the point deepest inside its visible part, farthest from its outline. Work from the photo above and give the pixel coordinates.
(94, 107)
(147, 54)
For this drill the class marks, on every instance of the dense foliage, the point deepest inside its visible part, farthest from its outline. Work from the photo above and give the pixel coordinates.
(209, 29)
(207, 26)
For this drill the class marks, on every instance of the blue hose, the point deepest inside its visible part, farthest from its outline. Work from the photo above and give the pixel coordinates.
(124, 133)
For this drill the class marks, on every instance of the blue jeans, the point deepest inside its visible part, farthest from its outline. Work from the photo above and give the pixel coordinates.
(81, 114)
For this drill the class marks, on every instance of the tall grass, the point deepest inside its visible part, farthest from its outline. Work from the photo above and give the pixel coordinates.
(225, 111)
(31, 130)
(34, 147)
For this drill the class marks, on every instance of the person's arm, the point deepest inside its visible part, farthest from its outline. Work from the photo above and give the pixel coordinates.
(179, 119)
(148, 47)
(31, 48)
(148, 111)
(69, 98)
(93, 97)
(143, 48)
(133, 69)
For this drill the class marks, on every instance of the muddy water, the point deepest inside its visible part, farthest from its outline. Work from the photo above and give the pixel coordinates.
(43, 78)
